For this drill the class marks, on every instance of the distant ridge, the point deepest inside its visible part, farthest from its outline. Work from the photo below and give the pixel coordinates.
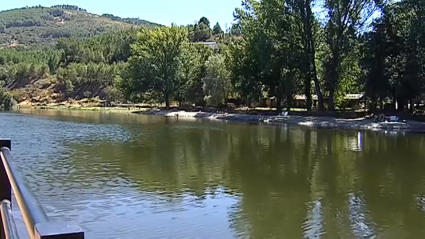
(43, 25)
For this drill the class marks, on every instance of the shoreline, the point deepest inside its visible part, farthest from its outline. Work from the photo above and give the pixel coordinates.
(306, 121)
(87, 108)
(309, 121)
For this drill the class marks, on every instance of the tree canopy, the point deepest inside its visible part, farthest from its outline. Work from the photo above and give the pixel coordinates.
(217, 29)
(157, 61)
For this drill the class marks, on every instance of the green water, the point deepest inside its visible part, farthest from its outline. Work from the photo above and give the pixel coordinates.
(132, 176)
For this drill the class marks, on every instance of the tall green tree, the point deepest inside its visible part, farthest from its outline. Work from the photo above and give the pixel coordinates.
(306, 21)
(217, 85)
(270, 25)
(345, 18)
(375, 52)
(194, 91)
(244, 68)
(204, 21)
(201, 30)
(236, 29)
(217, 29)
(190, 71)
(156, 62)
(395, 55)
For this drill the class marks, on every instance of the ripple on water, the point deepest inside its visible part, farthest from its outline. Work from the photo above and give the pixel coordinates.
(313, 224)
(41, 152)
(73, 186)
(138, 215)
(170, 179)
(361, 226)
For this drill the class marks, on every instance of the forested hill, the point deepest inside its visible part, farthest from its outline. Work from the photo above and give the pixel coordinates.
(37, 25)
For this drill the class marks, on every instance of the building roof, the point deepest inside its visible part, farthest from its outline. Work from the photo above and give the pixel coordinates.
(347, 97)
(302, 97)
(353, 96)
(211, 44)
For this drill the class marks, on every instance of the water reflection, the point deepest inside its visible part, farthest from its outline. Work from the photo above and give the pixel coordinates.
(131, 176)
(358, 216)
(313, 226)
(355, 143)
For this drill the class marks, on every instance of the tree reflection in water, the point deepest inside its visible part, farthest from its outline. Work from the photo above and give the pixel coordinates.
(257, 181)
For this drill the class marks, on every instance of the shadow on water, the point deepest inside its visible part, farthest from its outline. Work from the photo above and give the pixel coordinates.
(132, 176)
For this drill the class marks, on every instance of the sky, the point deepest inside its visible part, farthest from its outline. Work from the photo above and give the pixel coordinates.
(164, 12)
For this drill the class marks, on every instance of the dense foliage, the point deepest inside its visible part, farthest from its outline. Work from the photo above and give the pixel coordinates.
(164, 66)
(135, 21)
(6, 99)
(35, 25)
(80, 67)
(276, 49)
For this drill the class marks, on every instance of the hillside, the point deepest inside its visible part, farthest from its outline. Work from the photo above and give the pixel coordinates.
(62, 54)
(38, 25)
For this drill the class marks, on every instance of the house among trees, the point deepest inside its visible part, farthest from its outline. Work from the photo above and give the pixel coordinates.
(300, 101)
(211, 44)
(353, 101)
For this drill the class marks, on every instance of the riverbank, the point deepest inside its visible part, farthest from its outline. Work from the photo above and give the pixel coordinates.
(259, 117)
(83, 105)
(309, 121)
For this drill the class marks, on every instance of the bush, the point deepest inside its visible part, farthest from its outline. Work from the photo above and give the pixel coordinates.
(18, 95)
(6, 99)
(113, 94)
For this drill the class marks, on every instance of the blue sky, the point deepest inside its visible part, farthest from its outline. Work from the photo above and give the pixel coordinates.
(160, 11)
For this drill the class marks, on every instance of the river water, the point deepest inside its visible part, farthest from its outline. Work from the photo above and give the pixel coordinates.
(123, 175)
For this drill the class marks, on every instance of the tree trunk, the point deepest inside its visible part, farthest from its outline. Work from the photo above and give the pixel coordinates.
(406, 104)
(412, 106)
(312, 51)
(334, 75)
(319, 94)
(307, 92)
(417, 102)
(373, 104)
(373, 107)
(331, 104)
(279, 103)
(400, 104)
(249, 102)
(394, 99)
(289, 103)
(167, 100)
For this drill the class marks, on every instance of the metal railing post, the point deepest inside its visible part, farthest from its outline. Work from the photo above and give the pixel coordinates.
(8, 225)
(36, 221)
(5, 187)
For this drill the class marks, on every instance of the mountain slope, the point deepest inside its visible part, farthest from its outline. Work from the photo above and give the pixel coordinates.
(38, 25)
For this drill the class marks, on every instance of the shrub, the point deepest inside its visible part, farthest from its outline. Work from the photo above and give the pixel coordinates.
(6, 99)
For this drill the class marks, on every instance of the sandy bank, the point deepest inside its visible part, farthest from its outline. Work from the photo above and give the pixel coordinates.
(324, 122)
(82, 105)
